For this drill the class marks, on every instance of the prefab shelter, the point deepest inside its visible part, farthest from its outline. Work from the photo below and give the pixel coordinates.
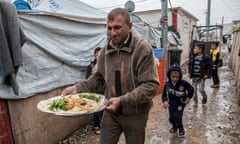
(180, 19)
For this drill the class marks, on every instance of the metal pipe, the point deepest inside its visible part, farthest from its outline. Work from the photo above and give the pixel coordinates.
(208, 17)
(164, 29)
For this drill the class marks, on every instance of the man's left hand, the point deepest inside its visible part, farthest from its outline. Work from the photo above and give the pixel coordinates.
(113, 104)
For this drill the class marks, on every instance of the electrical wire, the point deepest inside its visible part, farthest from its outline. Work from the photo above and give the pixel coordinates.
(230, 7)
(171, 8)
(121, 4)
(136, 2)
(170, 5)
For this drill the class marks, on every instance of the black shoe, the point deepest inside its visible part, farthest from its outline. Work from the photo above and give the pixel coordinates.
(173, 130)
(204, 101)
(181, 133)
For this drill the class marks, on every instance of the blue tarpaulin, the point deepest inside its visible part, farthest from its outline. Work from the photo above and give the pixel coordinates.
(22, 5)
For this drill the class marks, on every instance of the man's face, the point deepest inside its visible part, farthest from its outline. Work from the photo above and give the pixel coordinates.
(118, 29)
(174, 76)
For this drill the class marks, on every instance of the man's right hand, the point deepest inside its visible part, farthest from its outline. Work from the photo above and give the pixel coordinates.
(69, 90)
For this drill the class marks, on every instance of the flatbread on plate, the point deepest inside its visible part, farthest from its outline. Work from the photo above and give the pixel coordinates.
(77, 106)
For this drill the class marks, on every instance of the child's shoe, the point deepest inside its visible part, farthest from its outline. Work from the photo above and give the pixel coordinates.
(96, 130)
(173, 130)
(181, 133)
(195, 104)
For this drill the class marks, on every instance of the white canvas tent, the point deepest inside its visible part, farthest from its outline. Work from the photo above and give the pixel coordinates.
(62, 36)
(72, 8)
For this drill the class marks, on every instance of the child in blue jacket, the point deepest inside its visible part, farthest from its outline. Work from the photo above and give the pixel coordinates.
(177, 93)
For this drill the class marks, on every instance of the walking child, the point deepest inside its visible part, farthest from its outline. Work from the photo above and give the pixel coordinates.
(199, 71)
(216, 56)
(177, 93)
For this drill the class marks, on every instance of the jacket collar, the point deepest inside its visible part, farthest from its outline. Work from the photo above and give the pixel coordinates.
(125, 47)
(215, 50)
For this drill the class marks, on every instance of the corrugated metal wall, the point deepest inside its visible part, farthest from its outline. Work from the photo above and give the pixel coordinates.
(234, 62)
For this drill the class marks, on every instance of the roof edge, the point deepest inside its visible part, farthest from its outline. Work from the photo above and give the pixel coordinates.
(169, 9)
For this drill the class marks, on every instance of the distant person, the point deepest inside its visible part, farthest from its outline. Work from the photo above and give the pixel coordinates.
(199, 70)
(216, 57)
(91, 67)
(176, 95)
(126, 66)
(97, 117)
(225, 38)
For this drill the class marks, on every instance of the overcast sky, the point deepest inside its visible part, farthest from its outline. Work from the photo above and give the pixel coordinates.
(229, 9)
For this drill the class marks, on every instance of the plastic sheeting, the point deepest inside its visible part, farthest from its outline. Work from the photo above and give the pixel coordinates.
(62, 36)
(56, 53)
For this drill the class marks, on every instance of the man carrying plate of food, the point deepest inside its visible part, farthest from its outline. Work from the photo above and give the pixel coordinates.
(126, 67)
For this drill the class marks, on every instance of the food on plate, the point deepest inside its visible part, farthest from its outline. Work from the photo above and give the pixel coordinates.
(57, 104)
(89, 96)
(68, 103)
(73, 104)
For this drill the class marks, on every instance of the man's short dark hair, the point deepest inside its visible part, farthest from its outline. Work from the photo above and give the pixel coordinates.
(97, 50)
(119, 11)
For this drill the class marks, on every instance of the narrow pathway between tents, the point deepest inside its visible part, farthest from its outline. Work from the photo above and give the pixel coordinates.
(217, 122)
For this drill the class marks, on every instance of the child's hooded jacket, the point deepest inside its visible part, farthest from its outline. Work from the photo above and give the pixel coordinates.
(176, 94)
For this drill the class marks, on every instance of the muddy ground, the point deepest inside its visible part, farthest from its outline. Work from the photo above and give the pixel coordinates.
(217, 122)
